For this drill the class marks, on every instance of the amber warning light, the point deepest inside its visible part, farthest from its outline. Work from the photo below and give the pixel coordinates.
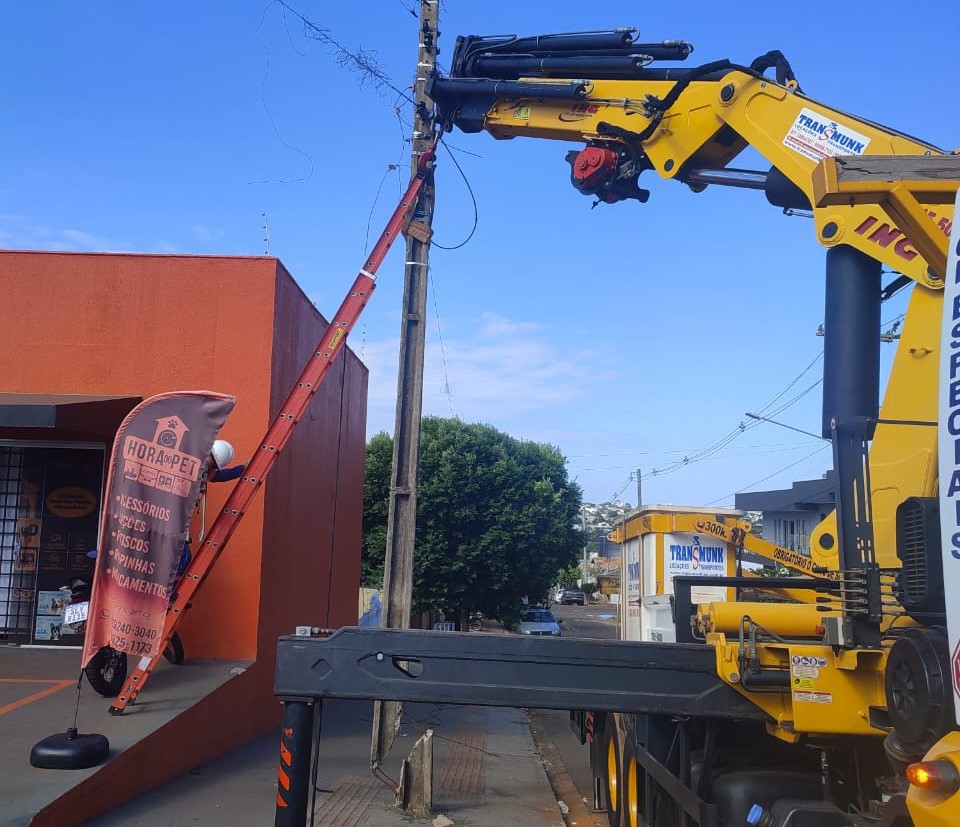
(936, 776)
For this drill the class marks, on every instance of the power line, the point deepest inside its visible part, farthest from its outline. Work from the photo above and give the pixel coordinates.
(364, 63)
(796, 379)
(726, 497)
(742, 427)
(726, 455)
(447, 388)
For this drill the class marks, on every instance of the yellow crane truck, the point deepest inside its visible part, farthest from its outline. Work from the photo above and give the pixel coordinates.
(756, 714)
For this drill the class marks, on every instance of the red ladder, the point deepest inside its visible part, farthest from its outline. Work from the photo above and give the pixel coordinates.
(279, 431)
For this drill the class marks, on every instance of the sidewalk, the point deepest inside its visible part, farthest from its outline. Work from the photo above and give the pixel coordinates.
(487, 773)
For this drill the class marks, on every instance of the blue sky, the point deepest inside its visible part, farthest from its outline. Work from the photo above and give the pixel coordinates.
(630, 336)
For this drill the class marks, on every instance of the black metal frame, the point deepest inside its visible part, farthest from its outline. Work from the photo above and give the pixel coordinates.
(508, 670)
(652, 756)
(668, 680)
(20, 584)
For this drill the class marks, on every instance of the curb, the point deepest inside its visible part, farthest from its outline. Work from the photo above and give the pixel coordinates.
(577, 814)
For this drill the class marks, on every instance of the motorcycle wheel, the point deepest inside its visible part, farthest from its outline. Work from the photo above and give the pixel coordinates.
(173, 651)
(107, 671)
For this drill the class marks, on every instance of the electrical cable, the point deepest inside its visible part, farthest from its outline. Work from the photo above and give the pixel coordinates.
(361, 61)
(443, 348)
(724, 440)
(473, 200)
(273, 123)
(796, 379)
(769, 476)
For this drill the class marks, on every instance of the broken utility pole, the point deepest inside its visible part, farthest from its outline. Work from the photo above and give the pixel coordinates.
(402, 514)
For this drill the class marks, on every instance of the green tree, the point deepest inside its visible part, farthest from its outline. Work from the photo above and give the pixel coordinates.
(496, 518)
(376, 487)
(568, 576)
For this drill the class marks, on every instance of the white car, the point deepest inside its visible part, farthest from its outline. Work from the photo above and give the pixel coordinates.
(539, 622)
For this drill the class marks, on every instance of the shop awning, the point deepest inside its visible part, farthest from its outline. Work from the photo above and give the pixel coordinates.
(65, 412)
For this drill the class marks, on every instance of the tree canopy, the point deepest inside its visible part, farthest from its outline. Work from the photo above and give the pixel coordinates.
(496, 518)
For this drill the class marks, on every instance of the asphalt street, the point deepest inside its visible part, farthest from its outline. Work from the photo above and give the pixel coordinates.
(573, 783)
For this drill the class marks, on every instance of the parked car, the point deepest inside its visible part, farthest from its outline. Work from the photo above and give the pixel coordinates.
(539, 622)
(570, 596)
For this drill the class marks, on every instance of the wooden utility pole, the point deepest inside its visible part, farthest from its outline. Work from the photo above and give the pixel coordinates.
(401, 519)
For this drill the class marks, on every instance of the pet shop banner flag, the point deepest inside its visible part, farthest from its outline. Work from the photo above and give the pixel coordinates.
(153, 483)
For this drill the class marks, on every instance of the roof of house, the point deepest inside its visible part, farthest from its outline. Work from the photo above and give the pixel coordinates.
(804, 495)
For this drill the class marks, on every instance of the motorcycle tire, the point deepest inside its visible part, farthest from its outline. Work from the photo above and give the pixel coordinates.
(107, 671)
(173, 651)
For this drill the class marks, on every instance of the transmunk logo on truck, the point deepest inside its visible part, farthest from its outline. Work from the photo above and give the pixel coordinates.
(818, 136)
(696, 558)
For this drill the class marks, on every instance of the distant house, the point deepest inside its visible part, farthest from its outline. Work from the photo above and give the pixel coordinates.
(790, 514)
(607, 548)
(608, 577)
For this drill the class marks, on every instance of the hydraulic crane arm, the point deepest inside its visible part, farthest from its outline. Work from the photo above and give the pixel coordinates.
(603, 89)
(632, 112)
(420, 665)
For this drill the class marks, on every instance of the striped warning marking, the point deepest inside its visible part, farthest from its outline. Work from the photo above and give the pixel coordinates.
(54, 686)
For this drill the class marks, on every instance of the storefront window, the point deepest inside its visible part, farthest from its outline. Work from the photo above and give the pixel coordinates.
(49, 518)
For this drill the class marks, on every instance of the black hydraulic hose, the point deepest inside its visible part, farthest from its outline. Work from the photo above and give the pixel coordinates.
(575, 41)
(596, 66)
(442, 89)
(662, 105)
(775, 59)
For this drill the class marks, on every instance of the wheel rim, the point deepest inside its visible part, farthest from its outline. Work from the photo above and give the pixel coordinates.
(109, 670)
(631, 792)
(613, 782)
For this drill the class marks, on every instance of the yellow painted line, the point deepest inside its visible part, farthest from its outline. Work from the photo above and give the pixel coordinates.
(36, 696)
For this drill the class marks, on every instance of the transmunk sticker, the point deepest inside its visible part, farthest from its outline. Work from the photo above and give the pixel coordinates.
(818, 136)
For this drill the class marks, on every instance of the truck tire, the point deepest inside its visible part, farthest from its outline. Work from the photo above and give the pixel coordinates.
(610, 754)
(632, 788)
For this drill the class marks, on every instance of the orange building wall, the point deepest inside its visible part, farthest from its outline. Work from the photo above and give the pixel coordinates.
(144, 324)
(138, 325)
(314, 509)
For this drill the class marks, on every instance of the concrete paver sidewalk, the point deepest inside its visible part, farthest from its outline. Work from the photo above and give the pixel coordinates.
(487, 773)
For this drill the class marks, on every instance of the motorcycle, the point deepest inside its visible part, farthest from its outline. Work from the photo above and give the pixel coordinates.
(107, 669)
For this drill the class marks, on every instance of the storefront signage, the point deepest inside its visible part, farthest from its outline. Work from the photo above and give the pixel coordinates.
(152, 488)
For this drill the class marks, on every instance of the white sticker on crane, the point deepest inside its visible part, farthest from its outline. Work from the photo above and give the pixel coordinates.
(807, 697)
(819, 136)
(949, 450)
